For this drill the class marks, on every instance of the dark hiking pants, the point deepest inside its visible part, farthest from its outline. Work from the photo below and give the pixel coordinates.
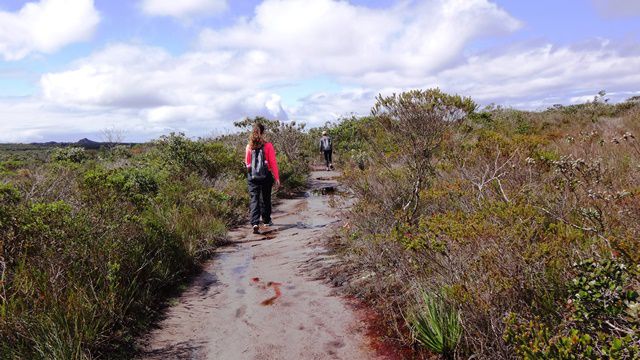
(327, 157)
(260, 202)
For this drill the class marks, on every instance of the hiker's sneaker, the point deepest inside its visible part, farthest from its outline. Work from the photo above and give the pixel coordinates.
(256, 229)
(270, 223)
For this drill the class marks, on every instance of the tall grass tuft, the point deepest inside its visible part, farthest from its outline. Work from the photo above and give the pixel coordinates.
(436, 325)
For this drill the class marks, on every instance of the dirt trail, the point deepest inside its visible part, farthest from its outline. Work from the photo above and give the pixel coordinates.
(257, 298)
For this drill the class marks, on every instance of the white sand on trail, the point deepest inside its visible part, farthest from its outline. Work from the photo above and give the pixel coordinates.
(257, 298)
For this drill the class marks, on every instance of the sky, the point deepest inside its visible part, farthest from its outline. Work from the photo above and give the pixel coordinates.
(71, 68)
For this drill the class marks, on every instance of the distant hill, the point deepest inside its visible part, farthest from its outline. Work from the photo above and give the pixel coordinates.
(84, 143)
(40, 150)
(88, 144)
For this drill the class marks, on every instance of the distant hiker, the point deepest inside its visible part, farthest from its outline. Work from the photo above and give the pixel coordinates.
(326, 148)
(262, 169)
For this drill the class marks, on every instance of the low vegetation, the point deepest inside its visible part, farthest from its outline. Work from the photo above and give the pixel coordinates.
(526, 224)
(91, 242)
(488, 233)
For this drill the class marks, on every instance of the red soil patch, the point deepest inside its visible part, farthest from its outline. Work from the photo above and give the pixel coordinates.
(270, 284)
(378, 335)
(278, 293)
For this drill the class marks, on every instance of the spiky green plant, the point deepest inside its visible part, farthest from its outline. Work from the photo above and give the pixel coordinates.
(436, 325)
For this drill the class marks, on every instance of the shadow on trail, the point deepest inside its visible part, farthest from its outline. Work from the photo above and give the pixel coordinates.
(182, 350)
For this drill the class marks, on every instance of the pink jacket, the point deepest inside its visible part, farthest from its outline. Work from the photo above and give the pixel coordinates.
(270, 155)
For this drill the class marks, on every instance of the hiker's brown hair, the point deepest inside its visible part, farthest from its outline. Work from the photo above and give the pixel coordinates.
(256, 140)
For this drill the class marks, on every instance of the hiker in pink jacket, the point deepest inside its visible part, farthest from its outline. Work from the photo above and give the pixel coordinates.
(262, 169)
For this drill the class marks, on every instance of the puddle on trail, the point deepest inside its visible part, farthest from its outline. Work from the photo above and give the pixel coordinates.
(324, 191)
(331, 195)
(241, 266)
(239, 271)
(303, 226)
(206, 281)
(325, 178)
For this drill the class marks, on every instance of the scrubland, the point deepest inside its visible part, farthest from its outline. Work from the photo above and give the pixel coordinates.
(93, 243)
(496, 233)
(487, 233)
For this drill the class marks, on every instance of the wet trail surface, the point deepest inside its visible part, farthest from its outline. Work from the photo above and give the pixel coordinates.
(258, 297)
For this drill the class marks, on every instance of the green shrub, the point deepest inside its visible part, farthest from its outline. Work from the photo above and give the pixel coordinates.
(134, 182)
(533, 340)
(88, 251)
(120, 152)
(10, 166)
(9, 195)
(600, 291)
(291, 177)
(208, 158)
(603, 323)
(69, 154)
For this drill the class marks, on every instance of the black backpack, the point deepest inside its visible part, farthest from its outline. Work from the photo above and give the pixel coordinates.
(259, 171)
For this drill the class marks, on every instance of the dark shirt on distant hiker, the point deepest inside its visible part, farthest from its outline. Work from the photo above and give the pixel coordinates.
(327, 149)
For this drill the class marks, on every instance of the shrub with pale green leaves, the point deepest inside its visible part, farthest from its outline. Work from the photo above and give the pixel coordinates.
(70, 154)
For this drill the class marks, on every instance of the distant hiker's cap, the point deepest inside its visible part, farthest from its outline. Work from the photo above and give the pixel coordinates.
(324, 133)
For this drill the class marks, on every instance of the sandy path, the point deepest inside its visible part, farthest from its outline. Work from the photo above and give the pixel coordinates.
(257, 298)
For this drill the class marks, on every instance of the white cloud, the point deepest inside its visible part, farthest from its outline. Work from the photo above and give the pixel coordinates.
(197, 90)
(232, 74)
(34, 120)
(618, 8)
(545, 72)
(183, 8)
(120, 76)
(131, 76)
(581, 99)
(239, 70)
(321, 107)
(46, 26)
(527, 78)
(338, 38)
